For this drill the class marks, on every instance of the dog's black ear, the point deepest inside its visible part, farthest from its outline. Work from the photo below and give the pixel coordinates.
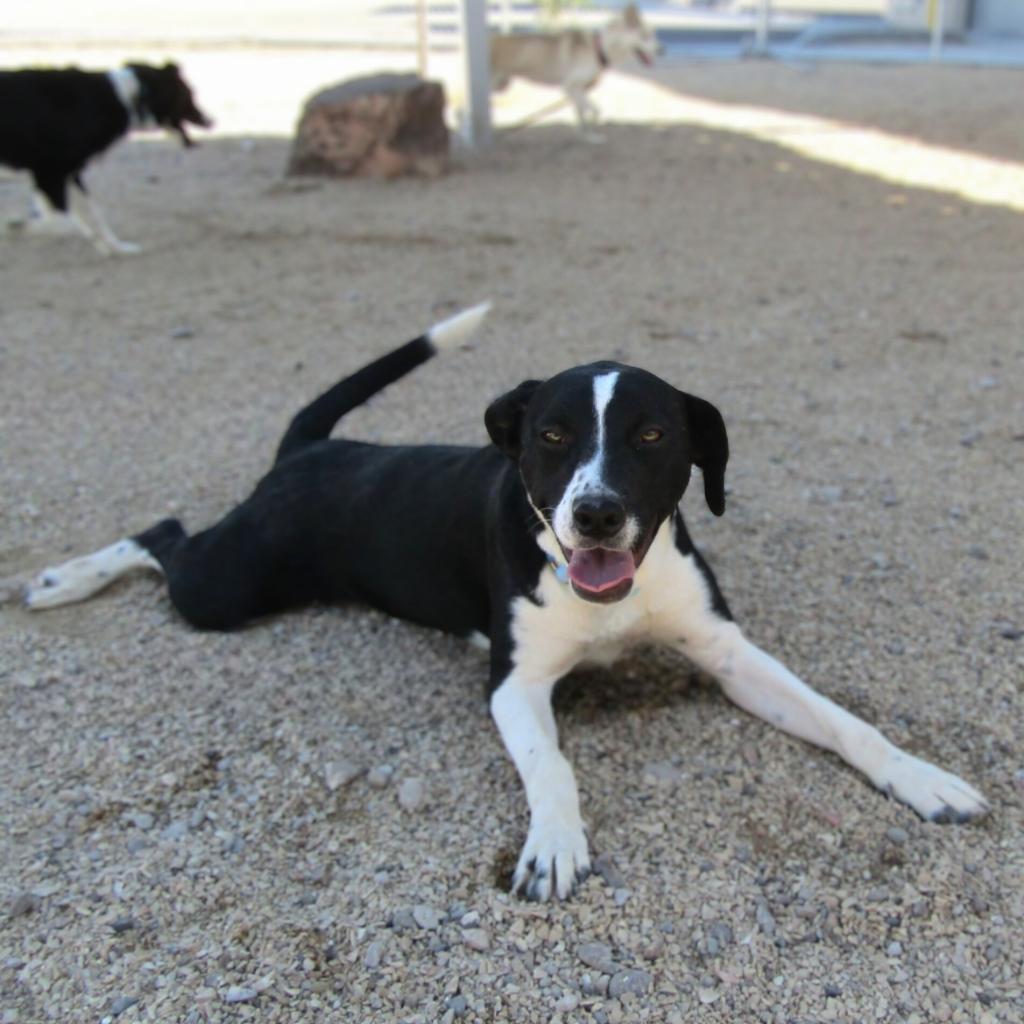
(504, 417)
(709, 447)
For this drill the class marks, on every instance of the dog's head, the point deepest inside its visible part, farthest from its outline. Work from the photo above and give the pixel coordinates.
(166, 99)
(605, 452)
(629, 35)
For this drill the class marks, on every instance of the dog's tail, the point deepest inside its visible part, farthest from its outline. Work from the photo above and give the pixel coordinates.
(317, 420)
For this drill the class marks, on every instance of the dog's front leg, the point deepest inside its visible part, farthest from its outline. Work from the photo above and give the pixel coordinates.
(555, 855)
(761, 685)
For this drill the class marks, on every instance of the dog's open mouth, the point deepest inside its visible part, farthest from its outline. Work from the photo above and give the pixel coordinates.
(601, 574)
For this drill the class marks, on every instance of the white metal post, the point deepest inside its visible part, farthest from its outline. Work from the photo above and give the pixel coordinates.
(421, 38)
(477, 65)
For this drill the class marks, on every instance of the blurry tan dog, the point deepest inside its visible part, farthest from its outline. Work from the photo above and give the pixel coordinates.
(573, 59)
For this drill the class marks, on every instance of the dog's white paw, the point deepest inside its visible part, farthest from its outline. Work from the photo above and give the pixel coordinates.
(935, 794)
(56, 226)
(553, 862)
(64, 584)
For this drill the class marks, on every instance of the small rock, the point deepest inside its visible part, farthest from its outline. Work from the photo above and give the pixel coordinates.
(605, 866)
(426, 917)
(621, 896)
(120, 1004)
(653, 949)
(141, 820)
(176, 830)
(1010, 633)
(458, 1005)
(24, 903)
(402, 920)
(894, 949)
(721, 933)
(181, 332)
(340, 773)
(412, 794)
(978, 552)
(122, 924)
(897, 835)
(567, 1003)
(379, 775)
(470, 919)
(662, 771)
(765, 920)
(598, 956)
(233, 843)
(373, 955)
(833, 991)
(477, 938)
(635, 981)
(594, 986)
(238, 994)
(827, 495)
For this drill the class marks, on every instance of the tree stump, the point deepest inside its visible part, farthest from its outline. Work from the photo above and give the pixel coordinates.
(379, 126)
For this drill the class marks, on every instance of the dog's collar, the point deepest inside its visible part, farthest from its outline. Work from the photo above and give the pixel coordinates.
(602, 57)
(560, 569)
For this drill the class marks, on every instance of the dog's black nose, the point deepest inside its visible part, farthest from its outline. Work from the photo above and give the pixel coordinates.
(598, 518)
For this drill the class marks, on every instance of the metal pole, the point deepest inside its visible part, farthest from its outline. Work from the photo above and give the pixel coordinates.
(477, 64)
(421, 37)
(938, 13)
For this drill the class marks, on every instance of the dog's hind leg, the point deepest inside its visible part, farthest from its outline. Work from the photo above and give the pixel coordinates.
(587, 113)
(91, 222)
(82, 577)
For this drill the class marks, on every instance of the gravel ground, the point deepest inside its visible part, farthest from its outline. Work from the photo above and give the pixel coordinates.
(314, 818)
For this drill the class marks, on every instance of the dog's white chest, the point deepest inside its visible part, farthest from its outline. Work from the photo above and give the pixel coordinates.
(562, 629)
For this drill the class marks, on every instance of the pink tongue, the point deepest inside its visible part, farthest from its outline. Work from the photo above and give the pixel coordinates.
(599, 569)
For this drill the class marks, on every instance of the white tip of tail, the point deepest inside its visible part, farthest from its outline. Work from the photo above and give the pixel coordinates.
(451, 333)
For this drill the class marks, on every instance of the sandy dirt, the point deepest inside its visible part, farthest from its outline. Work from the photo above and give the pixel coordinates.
(203, 827)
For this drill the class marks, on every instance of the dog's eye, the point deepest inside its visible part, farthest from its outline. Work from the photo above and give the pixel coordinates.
(552, 436)
(651, 436)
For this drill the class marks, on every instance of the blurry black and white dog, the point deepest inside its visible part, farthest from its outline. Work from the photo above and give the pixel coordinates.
(561, 543)
(53, 121)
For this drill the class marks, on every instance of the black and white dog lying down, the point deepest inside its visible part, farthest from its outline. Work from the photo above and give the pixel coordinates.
(562, 542)
(53, 121)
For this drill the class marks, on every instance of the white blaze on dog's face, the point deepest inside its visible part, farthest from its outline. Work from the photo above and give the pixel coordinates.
(605, 453)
